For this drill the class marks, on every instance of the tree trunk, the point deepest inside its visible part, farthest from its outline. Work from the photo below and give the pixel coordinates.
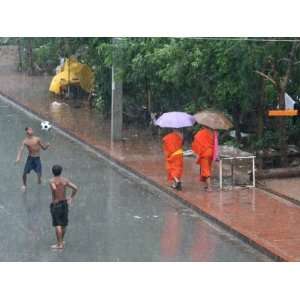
(20, 65)
(148, 95)
(236, 122)
(62, 47)
(261, 117)
(282, 132)
(29, 56)
(149, 101)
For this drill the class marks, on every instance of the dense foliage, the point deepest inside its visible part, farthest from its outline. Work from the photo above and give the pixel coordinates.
(240, 77)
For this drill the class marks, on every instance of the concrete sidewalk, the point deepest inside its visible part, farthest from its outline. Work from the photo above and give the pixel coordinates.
(262, 219)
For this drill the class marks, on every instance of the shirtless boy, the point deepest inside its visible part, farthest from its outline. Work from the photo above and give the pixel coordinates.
(34, 145)
(59, 207)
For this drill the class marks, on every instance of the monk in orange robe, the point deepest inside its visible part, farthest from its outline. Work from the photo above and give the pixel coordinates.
(203, 146)
(172, 146)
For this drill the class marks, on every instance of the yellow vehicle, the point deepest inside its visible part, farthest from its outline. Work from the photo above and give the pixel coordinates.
(72, 73)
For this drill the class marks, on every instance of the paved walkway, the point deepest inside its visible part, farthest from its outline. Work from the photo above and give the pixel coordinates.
(264, 220)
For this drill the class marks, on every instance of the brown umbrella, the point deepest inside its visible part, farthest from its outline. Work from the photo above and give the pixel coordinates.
(213, 119)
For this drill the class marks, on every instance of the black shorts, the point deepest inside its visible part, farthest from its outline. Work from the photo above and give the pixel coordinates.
(59, 212)
(33, 163)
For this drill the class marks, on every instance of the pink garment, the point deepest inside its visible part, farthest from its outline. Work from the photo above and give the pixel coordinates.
(216, 146)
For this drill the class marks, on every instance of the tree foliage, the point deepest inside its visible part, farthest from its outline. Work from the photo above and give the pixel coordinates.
(243, 78)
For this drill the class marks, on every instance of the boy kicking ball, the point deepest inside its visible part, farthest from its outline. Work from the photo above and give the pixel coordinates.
(59, 207)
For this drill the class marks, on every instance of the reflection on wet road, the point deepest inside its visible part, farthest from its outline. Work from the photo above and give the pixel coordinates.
(114, 218)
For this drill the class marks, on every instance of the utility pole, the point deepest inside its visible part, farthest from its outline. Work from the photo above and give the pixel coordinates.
(116, 94)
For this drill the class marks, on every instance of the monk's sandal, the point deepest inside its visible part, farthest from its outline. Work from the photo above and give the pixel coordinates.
(177, 186)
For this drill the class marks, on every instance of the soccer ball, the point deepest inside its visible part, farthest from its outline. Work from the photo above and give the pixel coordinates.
(45, 125)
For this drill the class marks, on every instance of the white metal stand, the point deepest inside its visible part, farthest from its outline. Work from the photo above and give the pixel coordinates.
(232, 159)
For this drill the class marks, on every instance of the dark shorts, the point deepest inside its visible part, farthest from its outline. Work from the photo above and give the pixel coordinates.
(59, 212)
(33, 163)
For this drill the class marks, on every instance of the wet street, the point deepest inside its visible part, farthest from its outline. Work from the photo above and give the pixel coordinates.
(116, 217)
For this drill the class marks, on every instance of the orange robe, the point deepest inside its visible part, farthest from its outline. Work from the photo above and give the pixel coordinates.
(203, 145)
(172, 145)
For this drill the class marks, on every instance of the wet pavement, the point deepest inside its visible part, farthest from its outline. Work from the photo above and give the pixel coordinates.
(263, 219)
(115, 217)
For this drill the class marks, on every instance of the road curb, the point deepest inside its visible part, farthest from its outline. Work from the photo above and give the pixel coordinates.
(285, 197)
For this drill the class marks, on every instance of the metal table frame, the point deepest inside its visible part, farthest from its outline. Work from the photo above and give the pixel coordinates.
(232, 158)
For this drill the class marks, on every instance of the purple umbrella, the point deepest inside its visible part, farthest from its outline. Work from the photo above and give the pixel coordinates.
(175, 119)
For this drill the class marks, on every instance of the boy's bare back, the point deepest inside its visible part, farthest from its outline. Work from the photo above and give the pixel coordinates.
(59, 187)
